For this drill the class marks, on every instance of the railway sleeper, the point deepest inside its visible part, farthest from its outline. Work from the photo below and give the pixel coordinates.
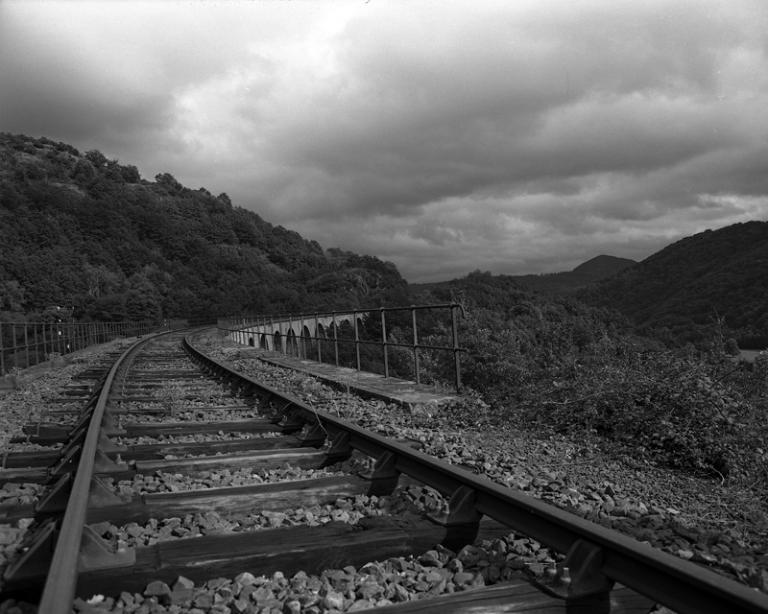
(230, 500)
(301, 549)
(292, 549)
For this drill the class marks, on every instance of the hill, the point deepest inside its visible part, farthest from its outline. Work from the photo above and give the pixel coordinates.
(566, 282)
(682, 290)
(79, 230)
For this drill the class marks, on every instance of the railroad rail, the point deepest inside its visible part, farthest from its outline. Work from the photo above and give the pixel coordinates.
(153, 385)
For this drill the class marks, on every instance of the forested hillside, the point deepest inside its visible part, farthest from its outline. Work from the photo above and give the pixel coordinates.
(79, 230)
(555, 363)
(680, 292)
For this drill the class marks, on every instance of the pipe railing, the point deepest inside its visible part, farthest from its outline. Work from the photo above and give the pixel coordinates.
(287, 334)
(24, 344)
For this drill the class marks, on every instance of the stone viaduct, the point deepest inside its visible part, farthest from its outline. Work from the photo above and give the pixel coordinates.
(292, 335)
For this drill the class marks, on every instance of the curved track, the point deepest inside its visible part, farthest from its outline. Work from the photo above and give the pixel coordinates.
(163, 453)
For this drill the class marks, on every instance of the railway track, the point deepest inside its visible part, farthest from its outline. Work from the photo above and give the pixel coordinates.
(171, 483)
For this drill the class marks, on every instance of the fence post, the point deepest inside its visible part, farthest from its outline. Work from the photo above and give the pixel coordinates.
(455, 330)
(26, 343)
(13, 344)
(335, 339)
(2, 352)
(35, 343)
(384, 342)
(415, 345)
(357, 340)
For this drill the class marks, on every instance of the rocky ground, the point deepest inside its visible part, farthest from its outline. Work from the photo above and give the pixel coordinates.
(721, 525)
(715, 523)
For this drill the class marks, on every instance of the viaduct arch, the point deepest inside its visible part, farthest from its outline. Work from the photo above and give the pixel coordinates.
(281, 335)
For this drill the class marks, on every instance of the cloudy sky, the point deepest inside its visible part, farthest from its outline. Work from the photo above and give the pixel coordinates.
(446, 137)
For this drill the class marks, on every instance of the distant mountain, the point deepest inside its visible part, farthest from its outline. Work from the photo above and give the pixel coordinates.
(567, 282)
(683, 289)
(603, 266)
(80, 231)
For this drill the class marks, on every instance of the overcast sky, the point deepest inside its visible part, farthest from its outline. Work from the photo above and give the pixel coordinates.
(445, 137)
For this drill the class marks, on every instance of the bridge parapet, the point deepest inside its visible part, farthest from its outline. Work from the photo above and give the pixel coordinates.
(272, 333)
(321, 336)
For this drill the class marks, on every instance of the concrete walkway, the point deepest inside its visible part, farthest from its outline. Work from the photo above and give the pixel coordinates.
(389, 389)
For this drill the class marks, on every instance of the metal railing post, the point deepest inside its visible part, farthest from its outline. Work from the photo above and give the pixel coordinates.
(2, 351)
(26, 344)
(455, 331)
(357, 340)
(335, 339)
(384, 341)
(288, 335)
(13, 344)
(415, 346)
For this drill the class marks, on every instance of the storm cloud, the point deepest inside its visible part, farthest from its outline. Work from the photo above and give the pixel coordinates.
(445, 137)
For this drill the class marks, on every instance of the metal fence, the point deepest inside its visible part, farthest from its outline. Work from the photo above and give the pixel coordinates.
(375, 340)
(23, 344)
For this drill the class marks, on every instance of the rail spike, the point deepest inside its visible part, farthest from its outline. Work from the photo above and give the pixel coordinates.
(36, 558)
(383, 477)
(579, 580)
(340, 449)
(461, 520)
(313, 436)
(293, 422)
(95, 553)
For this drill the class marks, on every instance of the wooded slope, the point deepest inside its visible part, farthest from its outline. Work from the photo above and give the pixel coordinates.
(80, 230)
(683, 289)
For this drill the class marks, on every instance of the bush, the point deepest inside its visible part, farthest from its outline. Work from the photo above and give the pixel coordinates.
(570, 373)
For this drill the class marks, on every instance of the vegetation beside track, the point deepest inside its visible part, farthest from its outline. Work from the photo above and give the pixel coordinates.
(558, 366)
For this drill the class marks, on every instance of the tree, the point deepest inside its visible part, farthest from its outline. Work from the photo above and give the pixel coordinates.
(95, 157)
(11, 296)
(130, 174)
(84, 172)
(168, 181)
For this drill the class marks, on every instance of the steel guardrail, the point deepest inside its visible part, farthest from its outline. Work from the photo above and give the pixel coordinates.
(242, 329)
(678, 584)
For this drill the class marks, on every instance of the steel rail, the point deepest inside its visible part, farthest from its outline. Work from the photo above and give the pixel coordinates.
(676, 583)
(60, 584)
